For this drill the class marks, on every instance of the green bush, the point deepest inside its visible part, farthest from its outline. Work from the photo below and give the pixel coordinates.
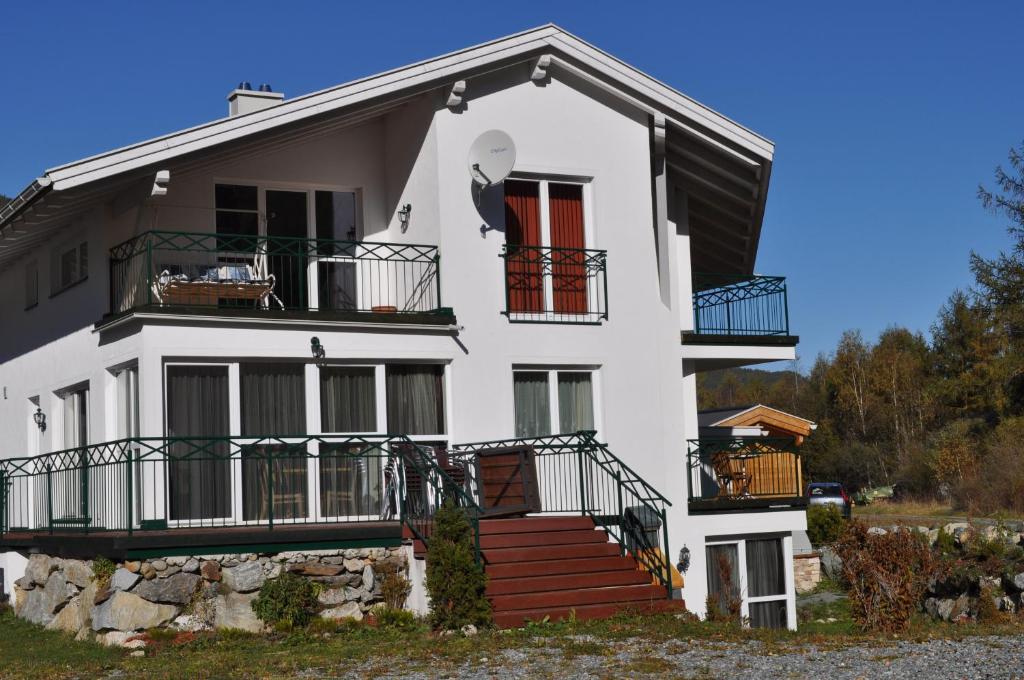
(945, 544)
(824, 524)
(455, 581)
(396, 619)
(102, 570)
(288, 600)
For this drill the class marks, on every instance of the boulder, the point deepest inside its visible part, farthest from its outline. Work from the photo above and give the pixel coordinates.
(469, 630)
(128, 612)
(191, 566)
(169, 571)
(234, 610)
(1015, 582)
(332, 596)
(133, 566)
(879, 531)
(147, 571)
(354, 565)
(244, 578)
(78, 572)
(25, 583)
(176, 561)
(349, 610)
(1006, 604)
(831, 564)
(73, 617)
(368, 577)
(175, 589)
(316, 569)
(210, 570)
(189, 623)
(38, 569)
(158, 565)
(40, 604)
(123, 580)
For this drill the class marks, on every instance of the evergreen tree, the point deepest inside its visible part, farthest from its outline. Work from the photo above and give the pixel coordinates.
(455, 581)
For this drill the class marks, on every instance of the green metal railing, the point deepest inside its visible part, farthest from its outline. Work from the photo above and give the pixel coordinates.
(727, 304)
(167, 483)
(748, 469)
(579, 475)
(555, 285)
(197, 270)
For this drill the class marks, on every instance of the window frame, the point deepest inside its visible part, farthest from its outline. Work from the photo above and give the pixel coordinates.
(552, 372)
(79, 245)
(788, 596)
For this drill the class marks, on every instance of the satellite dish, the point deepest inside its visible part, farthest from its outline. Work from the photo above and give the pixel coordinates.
(491, 158)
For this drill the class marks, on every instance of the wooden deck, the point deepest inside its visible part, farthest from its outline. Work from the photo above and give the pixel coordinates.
(204, 540)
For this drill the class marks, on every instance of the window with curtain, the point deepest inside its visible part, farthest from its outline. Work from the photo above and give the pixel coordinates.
(74, 479)
(415, 396)
(273, 404)
(532, 397)
(766, 578)
(199, 469)
(723, 575)
(575, 402)
(350, 474)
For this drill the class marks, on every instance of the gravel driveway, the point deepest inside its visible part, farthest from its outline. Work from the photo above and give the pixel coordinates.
(980, 657)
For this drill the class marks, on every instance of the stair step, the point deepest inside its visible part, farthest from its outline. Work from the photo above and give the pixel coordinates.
(524, 539)
(518, 619)
(532, 524)
(540, 584)
(550, 552)
(555, 567)
(569, 598)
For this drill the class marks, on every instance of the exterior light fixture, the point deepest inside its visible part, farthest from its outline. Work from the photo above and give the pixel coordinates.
(40, 419)
(403, 216)
(318, 350)
(684, 560)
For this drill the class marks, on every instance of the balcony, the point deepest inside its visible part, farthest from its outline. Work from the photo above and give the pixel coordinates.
(731, 309)
(276, 277)
(555, 285)
(744, 473)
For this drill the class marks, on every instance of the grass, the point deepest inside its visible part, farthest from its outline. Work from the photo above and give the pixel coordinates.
(30, 652)
(931, 509)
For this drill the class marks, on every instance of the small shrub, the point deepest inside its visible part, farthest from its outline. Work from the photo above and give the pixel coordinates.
(394, 586)
(102, 570)
(288, 600)
(988, 610)
(824, 524)
(887, 575)
(396, 619)
(945, 544)
(455, 581)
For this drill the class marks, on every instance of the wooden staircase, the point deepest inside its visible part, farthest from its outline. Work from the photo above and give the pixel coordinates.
(555, 566)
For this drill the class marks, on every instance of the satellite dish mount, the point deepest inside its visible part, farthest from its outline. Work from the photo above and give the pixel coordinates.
(491, 158)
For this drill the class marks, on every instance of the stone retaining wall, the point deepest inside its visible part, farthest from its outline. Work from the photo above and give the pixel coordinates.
(190, 593)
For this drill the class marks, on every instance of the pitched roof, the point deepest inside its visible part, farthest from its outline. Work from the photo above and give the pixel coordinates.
(683, 116)
(771, 419)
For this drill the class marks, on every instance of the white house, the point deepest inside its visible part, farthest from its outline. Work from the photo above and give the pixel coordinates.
(228, 336)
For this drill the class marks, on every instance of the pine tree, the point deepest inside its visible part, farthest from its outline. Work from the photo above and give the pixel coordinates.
(456, 582)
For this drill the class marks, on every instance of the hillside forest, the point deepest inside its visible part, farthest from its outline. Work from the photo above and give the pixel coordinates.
(939, 415)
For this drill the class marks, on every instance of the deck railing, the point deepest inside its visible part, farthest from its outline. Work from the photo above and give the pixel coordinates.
(576, 474)
(746, 470)
(555, 285)
(726, 304)
(222, 271)
(167, 483)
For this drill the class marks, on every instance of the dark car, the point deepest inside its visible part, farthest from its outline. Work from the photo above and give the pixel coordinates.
(830, 493)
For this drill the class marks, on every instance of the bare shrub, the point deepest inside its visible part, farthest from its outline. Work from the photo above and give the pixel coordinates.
(887, 575)
(727, 605)
(394, 586)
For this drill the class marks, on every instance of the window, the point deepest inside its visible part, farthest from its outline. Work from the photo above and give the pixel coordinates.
(237, 209)
(336, 215)
(762, 592)
(73, 502)
(348, 399)
(545, 397)
(199, 471)
(70, 266)
(415, 396)
(31, 284)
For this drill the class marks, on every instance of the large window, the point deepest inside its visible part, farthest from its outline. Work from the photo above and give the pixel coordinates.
(70, 488)
(69, 265)
(273, 404)
(415, 396)
(553, 401)
(350, 474)
(751, 573)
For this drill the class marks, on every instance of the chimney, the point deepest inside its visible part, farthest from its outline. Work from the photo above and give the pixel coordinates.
(243, 99)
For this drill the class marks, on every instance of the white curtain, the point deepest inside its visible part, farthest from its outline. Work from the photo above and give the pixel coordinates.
(415, 399)
(575, 402)
(532, 403)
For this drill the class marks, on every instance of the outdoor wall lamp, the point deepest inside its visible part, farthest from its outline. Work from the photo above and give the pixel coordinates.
(318, 350)
(403, 216)
(684, 560)
(40, 419)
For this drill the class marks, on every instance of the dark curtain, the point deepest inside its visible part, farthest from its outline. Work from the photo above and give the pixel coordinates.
(765, 574)
(273, 404)
(719, 556)
(415, 396)
(768, 614)
(199, 473)
(348, 400)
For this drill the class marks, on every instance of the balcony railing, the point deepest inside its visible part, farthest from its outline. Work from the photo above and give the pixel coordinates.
(166, 483)
(555, 285)
(744, 471)
(725, 304)
(223, 271)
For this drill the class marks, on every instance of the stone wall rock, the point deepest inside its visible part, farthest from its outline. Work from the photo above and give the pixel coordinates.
(128, 612)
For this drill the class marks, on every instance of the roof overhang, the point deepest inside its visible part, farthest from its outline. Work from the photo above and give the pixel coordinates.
(723, 165)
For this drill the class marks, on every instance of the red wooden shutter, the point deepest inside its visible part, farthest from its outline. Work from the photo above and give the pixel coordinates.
(568, 271)
(522, 228)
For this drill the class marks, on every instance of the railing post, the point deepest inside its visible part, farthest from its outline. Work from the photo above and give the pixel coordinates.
(667, 565)
(129, 489)
(618, 487)
(583, 491)
(149, 270)
(270, 490)
(785, 308)
(49, 497)
(437, 277)
(3, 502)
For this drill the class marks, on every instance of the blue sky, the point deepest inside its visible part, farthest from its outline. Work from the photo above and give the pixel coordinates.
(886, 115)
